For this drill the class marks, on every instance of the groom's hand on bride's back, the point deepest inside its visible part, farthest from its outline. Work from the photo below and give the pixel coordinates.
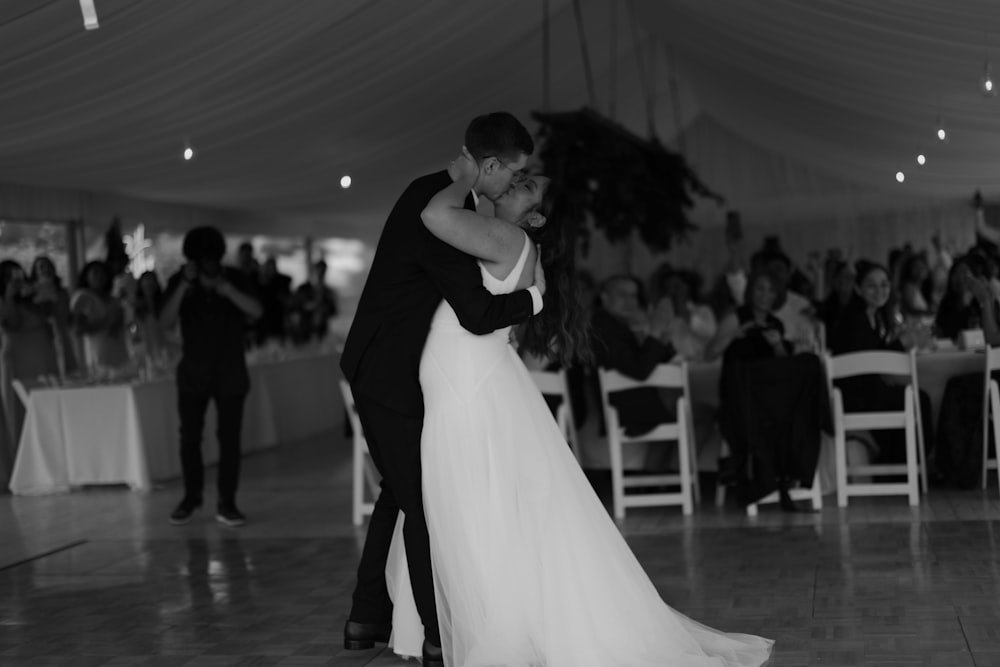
(539, 271)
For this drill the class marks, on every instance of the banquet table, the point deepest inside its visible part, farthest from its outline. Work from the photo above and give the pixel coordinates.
(128, 433)
(935, 368)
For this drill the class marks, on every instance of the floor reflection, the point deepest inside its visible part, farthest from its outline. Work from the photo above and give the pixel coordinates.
(873, 584)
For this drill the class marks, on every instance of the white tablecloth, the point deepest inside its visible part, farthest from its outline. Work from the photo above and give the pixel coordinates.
(128, 434)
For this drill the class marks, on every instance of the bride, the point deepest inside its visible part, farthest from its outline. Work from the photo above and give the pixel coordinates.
(529, 569)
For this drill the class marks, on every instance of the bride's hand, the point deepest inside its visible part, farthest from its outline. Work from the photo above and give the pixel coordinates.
(539, 272)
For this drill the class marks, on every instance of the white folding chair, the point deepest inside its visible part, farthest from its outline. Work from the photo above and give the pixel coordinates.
(814, 494)
(669, 376)
(885, 363)
(991, 414)
(22, 392)
(365, 476)
(553, 383)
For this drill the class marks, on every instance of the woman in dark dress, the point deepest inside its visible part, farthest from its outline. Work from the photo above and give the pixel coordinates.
(959, 309)
(868, 324)
(841, 293)
(760, 424)
(971, 304)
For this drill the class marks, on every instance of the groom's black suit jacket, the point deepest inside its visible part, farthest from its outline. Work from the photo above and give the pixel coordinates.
(410, 274)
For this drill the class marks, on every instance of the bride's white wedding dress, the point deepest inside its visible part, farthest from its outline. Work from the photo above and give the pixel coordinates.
(529, 569)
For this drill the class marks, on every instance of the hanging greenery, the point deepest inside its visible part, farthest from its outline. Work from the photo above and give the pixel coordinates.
(623, 182)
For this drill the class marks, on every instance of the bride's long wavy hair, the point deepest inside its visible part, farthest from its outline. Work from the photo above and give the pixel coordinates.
(561, 332)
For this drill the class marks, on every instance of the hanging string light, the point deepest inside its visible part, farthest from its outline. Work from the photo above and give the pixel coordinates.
(986, 85)
(921, 159)
(900, 177)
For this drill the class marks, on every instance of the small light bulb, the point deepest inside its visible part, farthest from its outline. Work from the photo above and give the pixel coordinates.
(345, 182)
(941, 134)
(900, 176)
(988, 85)
(188, 153)
(921, 160)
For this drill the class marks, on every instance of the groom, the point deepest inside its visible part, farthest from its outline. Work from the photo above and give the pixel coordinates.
(410, 275)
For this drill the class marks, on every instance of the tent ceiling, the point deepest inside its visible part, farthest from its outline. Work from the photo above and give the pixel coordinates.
(281, 99)
(855, 86)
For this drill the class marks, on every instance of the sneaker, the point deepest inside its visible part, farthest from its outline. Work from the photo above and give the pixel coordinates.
(184, 512)
(230, 516)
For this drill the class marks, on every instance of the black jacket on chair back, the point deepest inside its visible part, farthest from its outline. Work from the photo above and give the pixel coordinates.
(411, 272)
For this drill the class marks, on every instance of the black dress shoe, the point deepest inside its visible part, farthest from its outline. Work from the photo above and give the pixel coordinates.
(361, 636)
(432, 655)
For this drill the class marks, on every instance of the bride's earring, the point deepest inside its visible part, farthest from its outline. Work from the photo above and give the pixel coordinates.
(535, 219)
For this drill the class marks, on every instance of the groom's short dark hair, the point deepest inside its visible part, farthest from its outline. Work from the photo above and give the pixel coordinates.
(498, 134)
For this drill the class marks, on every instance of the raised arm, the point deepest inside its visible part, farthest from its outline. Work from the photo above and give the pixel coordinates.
(446, 217)
(458, 278)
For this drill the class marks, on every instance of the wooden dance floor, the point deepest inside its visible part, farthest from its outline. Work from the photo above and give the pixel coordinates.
(98, 577)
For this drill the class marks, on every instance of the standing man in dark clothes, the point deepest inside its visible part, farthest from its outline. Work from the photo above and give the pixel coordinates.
(213, 303)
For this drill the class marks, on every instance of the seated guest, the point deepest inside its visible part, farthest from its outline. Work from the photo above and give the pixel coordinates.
(841, 293)
(99, 318)
(760, 335)
(692, 325)
(770, 403)
(959, 309)
(627, 340)
(794, 310)
(959, 454)
(914, 287)
(868, 324)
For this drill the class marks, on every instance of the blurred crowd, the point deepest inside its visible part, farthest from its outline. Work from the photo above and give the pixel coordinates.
(107, 322)
(766, 306)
